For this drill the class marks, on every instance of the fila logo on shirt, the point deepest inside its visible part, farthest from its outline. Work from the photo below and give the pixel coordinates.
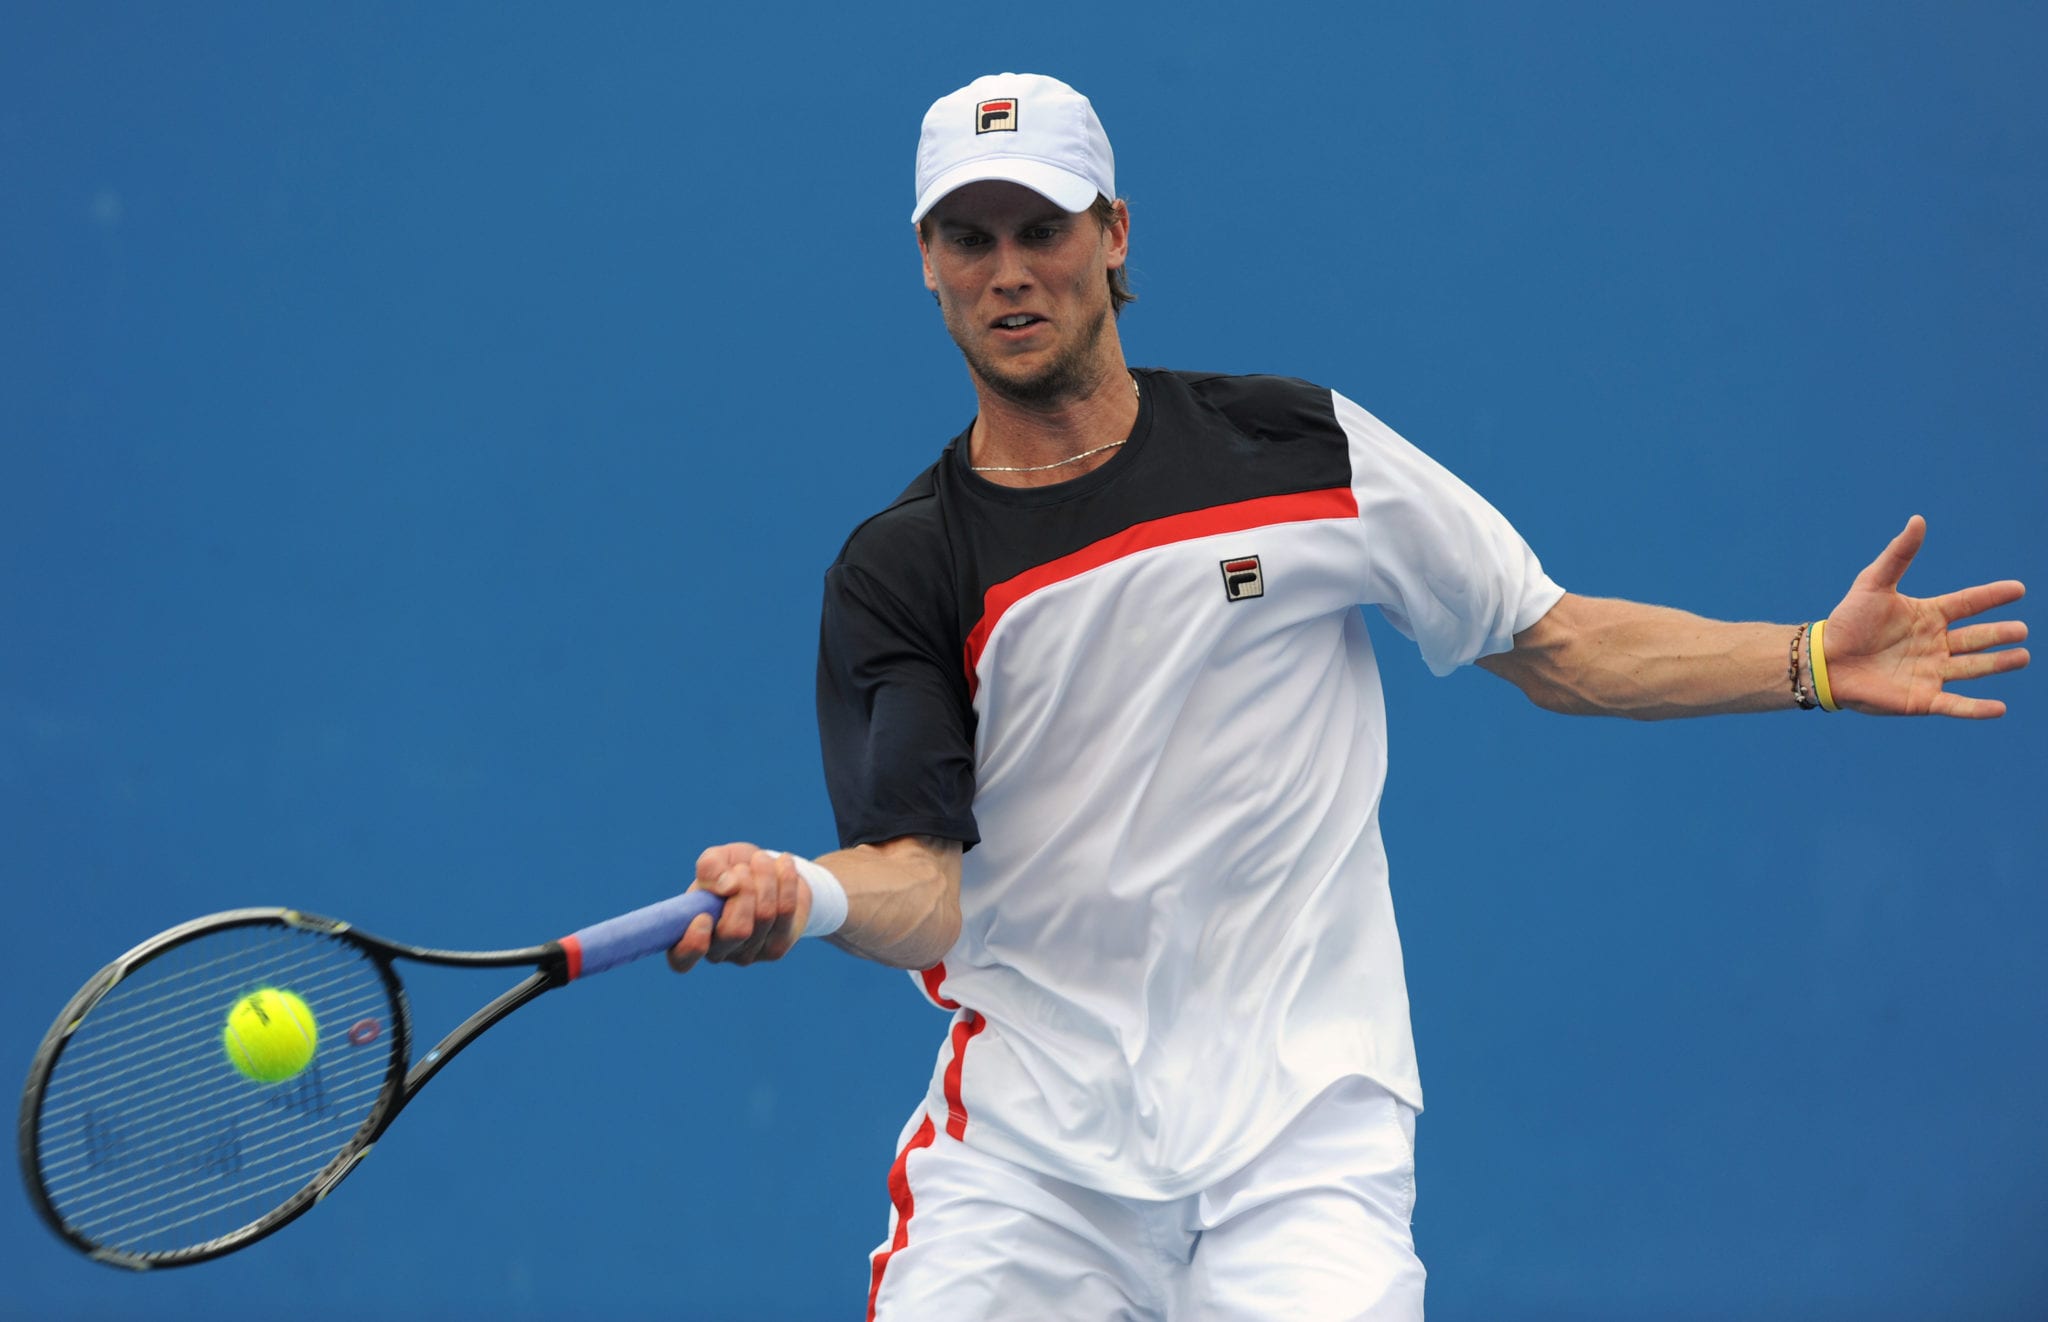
(1242, 579)
(997, 116)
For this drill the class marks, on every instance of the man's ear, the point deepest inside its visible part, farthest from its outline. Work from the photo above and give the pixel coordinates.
(1120, 235)
(924, 256)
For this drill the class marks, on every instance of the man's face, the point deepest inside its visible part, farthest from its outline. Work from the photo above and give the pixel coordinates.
(1024, 287)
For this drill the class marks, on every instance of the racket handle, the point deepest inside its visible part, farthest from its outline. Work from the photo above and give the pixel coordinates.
(636, 935)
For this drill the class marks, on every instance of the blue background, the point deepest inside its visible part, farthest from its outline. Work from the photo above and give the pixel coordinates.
(423, 430)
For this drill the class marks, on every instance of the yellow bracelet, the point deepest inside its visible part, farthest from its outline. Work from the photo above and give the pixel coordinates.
(1820, 667)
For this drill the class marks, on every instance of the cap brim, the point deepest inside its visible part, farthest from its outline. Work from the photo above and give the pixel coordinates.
(1063, 188)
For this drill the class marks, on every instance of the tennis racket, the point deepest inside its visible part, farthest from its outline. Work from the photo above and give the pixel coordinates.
(144, 1146)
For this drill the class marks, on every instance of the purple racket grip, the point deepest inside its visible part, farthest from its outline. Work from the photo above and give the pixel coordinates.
(636, 935)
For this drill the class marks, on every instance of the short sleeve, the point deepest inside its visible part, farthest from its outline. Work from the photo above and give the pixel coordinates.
(894, 718)
(1445, 568)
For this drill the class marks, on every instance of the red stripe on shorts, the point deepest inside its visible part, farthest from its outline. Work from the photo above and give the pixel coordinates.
(956, 1109)
(899, 1195)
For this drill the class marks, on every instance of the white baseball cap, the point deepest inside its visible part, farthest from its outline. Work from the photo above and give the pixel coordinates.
(1023, 127)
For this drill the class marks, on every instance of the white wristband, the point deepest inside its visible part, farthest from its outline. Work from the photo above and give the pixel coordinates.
(828, 897)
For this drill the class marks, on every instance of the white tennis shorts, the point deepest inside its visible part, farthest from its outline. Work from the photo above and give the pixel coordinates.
(1315, 1229)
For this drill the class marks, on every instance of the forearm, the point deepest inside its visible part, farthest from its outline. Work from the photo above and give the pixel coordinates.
(1594, 656)
(902, 900)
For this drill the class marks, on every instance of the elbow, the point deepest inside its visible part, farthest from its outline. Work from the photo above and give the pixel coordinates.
(938, 926)
(1561, 701)
(1576, 702)
(1541, 683)
(944, 931)
(923, 946)
(907, 910)
(1576, 684)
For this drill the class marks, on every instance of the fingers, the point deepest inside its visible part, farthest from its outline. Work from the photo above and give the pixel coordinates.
(1969, 709)
(1891, 564)
(1983, 664)
(1965, 602)
(761, 893)
(694, 945)
(750, 914)
(721, 858)
(1967, 660)
(1977, 637)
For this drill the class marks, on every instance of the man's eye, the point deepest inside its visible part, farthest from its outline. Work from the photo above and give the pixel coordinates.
(1041, 233)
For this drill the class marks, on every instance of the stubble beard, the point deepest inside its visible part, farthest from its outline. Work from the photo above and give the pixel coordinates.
(1067, 377)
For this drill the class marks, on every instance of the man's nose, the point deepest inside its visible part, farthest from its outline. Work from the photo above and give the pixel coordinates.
(1012, 273)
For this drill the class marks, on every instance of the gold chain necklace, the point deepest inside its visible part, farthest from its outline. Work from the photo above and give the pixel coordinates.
(1059, 463)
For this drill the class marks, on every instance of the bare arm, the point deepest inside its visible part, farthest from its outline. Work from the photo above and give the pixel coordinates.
(1592, 656)
(903, 900)
(1887, 653)
(902, 895)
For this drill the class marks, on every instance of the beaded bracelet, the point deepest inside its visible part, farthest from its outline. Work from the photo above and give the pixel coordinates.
(1800, 693)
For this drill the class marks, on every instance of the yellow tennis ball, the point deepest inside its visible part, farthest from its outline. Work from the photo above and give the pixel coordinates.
(270, 1035)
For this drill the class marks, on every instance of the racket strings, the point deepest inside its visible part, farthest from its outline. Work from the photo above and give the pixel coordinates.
(282, 1162)
(149, 1140)
(251, 1192)
(166, 1109)
(182, 986)
(125, 1061)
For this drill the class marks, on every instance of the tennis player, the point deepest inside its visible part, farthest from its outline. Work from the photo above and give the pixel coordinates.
(1104, 737)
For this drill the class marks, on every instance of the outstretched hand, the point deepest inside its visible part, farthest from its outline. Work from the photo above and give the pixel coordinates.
(1893, 655)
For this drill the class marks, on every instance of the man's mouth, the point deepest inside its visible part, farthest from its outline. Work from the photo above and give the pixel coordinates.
(1017, 321)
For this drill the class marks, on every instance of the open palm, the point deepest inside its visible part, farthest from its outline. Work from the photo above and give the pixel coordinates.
(1889, 654)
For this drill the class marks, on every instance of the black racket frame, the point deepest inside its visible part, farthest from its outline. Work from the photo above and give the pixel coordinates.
(403, 1079)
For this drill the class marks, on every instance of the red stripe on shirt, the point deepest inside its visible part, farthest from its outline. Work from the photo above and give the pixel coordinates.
(1264, 512)
(956, 1109)
(899, 1195)
(933, 977)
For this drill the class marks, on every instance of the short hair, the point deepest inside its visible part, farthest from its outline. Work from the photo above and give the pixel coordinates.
(1104, 211)
(1120, 293)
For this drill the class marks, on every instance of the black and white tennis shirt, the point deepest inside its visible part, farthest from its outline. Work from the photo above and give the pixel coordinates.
(1147, 698)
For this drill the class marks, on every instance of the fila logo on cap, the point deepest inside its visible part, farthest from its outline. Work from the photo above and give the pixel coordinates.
(997, 116)
(1242, 579)
(976, 134)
